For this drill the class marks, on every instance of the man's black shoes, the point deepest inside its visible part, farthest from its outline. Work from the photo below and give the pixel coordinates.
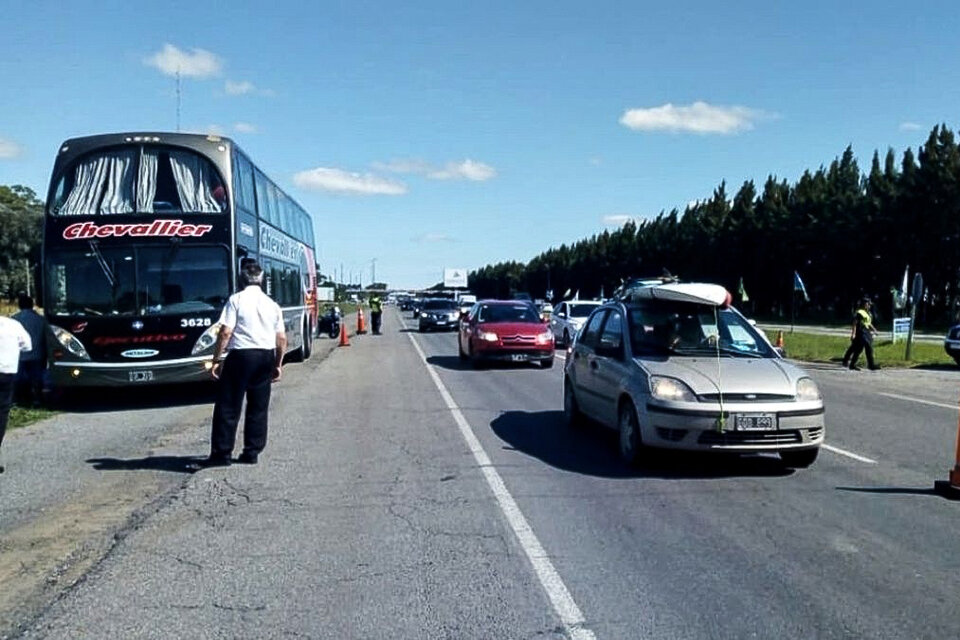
(247, 458)
(214, 461)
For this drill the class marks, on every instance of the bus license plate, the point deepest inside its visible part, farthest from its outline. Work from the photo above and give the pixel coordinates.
(141, 376)
(756, 422)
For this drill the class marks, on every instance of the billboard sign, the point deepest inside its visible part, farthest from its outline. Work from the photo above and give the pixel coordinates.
(453, 278)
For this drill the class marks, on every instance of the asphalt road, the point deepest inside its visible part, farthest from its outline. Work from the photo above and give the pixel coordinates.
(412, 497)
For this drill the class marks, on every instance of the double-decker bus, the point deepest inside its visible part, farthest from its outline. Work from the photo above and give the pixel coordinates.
(144, 235)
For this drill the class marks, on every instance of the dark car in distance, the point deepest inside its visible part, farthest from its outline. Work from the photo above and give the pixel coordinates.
(439, 313)
(505, 330)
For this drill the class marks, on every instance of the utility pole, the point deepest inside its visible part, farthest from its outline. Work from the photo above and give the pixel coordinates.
(373, 270)
(178, 99)
(26, 271)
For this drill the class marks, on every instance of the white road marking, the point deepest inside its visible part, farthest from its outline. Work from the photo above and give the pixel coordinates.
(849, 454)
(930, 402)
(557, 592)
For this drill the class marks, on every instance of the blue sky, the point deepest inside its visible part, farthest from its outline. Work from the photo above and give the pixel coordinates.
(432, 135)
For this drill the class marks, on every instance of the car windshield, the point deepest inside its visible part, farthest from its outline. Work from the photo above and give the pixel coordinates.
(440, 305)
(508, 313)
(658, 326)
(137, 280)
(580, 310)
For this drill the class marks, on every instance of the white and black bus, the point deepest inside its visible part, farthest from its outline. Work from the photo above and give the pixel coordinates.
(144, 234)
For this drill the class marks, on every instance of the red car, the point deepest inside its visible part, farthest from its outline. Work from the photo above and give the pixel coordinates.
(506, 330)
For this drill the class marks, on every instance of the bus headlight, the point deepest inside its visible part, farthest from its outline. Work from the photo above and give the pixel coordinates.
(70, 342)
(206, 340)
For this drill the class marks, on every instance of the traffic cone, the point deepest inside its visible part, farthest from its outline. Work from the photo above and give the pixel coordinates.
(344, 339)
(361, 325)
(950, 488)
(779, 343)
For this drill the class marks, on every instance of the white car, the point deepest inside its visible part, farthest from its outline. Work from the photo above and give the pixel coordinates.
(568, 317)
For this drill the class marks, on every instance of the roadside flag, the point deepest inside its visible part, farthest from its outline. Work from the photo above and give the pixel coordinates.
(904, 288)
(743, 292)
(798, 286)
(576, 296)
(566, 294)
(602, 297)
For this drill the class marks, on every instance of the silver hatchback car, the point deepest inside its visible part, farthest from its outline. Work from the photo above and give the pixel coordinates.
(675, 366)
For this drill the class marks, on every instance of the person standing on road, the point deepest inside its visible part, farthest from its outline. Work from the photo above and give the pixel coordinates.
(33, 363)
(253, 336)
(14, 340)
(376, 313)
(862, 332)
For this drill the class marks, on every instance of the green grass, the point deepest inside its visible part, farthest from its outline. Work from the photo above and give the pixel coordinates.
(21, 417)
(823, 348)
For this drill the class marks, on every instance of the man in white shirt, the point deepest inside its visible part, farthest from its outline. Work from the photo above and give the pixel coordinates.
(253, 337)
(14, 339)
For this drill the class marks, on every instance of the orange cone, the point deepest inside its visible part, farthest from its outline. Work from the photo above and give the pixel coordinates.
(361, 325)
(344, 340)
(950, 488)
(779, 342)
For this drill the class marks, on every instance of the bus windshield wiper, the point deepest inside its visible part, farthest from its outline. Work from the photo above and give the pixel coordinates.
(107, 271)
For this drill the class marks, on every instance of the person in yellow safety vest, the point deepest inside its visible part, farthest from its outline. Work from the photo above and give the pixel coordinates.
(376, 313)
(861, 338)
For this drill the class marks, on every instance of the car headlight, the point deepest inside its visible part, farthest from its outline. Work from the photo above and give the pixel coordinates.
(663, 388)
(206, 340)
(487, 336)
(423, 315)
(70, 342)
(545, 338)
(807, 390)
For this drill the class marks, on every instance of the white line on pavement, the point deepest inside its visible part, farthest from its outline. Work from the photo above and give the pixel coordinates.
(849, 454)
(557, 592)
(930, 402)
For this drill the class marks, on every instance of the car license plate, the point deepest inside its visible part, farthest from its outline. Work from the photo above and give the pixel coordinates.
(518, 357)
(755, 422)
(141, 376)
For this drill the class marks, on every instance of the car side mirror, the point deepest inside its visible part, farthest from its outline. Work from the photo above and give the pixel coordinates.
(562, 314)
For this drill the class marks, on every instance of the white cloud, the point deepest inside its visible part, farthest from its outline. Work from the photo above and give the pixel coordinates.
(463, 170)
(699, 117)
(910, 126)
(348, 183)
(9, 149)
(198, 63)
(467, 169)
(618, 220)
(595, 161)
(434, 237)
(239, 88)
(244, 127)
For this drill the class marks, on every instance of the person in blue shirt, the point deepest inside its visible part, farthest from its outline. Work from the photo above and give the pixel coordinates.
(33, 363)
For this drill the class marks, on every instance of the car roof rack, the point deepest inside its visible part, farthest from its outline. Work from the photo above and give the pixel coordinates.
(629, 286)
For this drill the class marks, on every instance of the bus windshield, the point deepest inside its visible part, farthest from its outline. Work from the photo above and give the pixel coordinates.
(137, 280)
(139, 180)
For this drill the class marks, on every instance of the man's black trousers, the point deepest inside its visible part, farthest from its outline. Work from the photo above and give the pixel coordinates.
(245, 371)
(375, 318)
(6, 400)
(861, 345)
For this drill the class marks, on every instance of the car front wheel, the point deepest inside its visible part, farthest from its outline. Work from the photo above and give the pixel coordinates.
(799, 459)
(571, 410)
(629, 427)
(566, 338)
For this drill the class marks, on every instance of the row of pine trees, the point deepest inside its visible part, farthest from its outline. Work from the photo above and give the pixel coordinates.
(848, 234)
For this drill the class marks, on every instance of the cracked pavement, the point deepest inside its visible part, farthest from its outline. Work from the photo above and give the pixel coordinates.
(365, 518)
